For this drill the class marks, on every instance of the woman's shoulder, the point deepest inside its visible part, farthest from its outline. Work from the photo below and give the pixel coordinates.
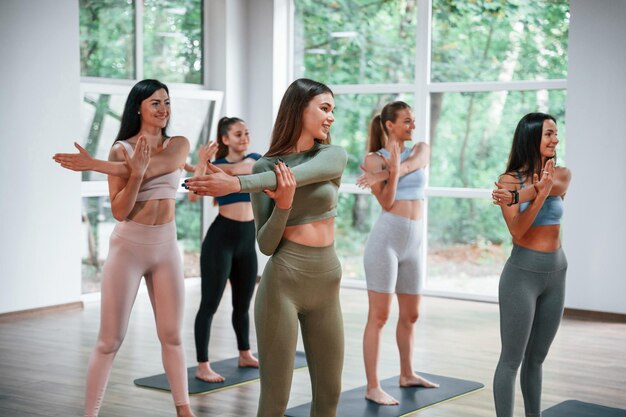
(177, 141)
(562, 171)
(335, 150)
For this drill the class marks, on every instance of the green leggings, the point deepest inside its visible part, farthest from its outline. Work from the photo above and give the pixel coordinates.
(300, 283)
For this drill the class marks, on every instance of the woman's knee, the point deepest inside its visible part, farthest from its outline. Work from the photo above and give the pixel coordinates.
(408, 319)
(109, 344)
(170, 336)
(378, 318)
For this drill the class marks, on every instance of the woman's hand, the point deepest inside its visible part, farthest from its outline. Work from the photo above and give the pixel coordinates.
(80, 161)
(285, 189)
(501, 196)
(367, 179)
(216, 184)
(207, 152)
(138, 163)
(544, 185)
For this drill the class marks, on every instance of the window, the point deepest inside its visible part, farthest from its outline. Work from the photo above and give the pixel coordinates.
(470, 70)
(167, 44)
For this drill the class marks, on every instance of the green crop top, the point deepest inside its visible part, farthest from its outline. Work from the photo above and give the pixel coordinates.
(318, 176)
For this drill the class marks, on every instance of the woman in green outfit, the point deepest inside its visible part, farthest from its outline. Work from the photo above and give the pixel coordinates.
(294, 190)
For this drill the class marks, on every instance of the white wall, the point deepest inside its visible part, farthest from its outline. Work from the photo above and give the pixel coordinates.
(595, 222)
(40, 206)
(259, 75)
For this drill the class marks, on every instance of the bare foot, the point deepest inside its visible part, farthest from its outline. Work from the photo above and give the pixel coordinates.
(206, 374)
(379, 396)
(247, 359)
(416, 381)
(184, 411)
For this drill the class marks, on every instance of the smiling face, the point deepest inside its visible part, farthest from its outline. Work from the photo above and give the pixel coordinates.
(155, 110)
(318, 116)
(402, 128)
(549, 140)
(238, 138)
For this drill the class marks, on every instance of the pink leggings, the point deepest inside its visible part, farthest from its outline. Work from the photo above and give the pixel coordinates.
(138, 250)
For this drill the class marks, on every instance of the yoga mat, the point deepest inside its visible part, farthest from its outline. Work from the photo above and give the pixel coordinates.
(228, 368)
(353, 403)
(573, 408)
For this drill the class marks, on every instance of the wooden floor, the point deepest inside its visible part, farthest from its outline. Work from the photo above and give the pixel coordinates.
(43, 360)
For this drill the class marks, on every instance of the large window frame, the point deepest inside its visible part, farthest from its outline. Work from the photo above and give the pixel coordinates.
(421, 89)
(139, 55)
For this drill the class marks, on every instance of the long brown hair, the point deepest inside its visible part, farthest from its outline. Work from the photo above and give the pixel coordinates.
(378, 130)
(223, 126)
(288, 125)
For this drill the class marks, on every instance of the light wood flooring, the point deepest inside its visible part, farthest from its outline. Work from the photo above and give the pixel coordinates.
(43, 360)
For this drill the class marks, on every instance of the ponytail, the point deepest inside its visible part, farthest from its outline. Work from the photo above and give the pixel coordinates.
(378, 136)
(378, 130)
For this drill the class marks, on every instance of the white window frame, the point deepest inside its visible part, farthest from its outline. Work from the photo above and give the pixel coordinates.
(139, 55)
(421, 89)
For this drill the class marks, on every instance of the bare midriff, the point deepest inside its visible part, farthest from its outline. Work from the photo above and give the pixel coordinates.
(541, 238)
(410, 209)
(320, 233)
(153, 212)
(240, 212)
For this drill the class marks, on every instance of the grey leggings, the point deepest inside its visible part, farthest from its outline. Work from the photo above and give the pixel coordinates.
(531, 297)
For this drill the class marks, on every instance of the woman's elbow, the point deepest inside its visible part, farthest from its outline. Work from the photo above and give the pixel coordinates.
(517, 234)
(119, 214)
(266, 250)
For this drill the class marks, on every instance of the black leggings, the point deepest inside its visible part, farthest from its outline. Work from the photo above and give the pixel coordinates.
(228, 251)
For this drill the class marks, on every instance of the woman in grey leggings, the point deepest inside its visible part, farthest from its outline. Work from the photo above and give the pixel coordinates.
(392, 257)
(532, 284)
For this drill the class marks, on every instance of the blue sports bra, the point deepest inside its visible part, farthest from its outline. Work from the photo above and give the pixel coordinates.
(410, 186)
(551, 211)
(234, 197)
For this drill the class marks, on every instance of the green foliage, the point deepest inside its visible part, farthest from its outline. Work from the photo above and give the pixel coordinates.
(107, 33)
(355, 41)
(189, 223)
(476, 40)
(172, 39)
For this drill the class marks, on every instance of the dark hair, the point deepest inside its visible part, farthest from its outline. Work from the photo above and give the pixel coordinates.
(378, 130)
(288, 125)
(525, 155)
(223, 126)
(131, 120)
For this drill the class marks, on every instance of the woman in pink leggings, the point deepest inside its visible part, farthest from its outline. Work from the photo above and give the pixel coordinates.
(143, 174)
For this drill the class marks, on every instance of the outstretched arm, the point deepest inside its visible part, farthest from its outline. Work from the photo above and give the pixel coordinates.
(243, 167)
(502, 196)
(418, 159)
(166, 161)
(205, 154)
(518, 222)
(327, 164)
